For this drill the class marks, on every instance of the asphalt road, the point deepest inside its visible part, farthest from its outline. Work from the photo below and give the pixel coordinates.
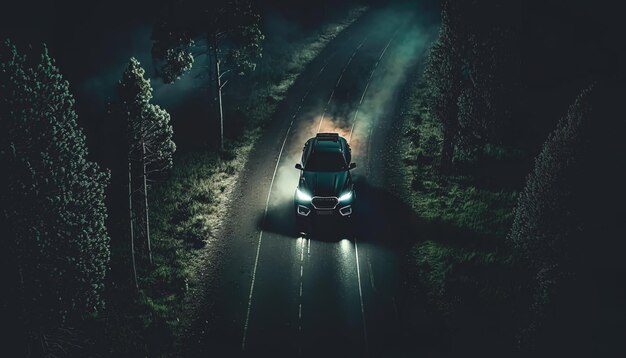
(337, 291)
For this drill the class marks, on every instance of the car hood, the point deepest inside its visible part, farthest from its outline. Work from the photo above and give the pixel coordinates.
(325, 183)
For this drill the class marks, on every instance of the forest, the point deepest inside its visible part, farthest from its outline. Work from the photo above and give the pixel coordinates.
(130, 135)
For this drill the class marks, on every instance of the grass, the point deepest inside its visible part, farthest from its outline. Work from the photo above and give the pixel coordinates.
(451, 200)
(189, 207)
(462, 259)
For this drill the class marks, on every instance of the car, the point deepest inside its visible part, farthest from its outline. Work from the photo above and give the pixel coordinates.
(325, 185)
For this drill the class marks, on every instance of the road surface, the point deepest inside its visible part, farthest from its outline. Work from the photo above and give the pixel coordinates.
(334, 292)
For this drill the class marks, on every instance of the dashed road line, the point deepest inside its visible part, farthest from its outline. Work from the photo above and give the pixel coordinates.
(368, 84)
(358, 277)
(332, 93)
(259, 241)
(258, 250)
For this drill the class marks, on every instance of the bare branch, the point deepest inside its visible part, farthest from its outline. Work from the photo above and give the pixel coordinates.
(225, 72)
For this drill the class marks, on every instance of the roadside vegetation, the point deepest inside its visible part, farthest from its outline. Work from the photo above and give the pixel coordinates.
(54, 244)
(189, 204)
(503, 247)
(471, 276)
(80, 282)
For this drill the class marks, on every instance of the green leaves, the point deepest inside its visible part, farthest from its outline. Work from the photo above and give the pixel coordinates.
(231, 29)
(541, 224)
(472, 73)
(52, 195)
(134, 89)
(147, 123)
(177, 63)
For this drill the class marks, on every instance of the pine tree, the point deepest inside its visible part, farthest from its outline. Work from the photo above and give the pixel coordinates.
(569, 219)
(541, 227)
(443, 79)
(150, 145)
(52, 197)
(473, 74)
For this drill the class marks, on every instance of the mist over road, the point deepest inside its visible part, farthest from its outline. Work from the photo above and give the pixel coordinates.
(333, 292)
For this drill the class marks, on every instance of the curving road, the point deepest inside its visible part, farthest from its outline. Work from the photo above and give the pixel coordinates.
(335, 292)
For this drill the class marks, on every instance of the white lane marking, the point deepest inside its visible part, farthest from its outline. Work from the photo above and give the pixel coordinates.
(358, 276)
(267, 202)
(388, 43)
(331, 97)
(319, 127)
(371, 273)
(258, 248)
(369, 151)
(367, 85)
(365, 90)
(301, 276)
(356, 249)
(303, 242)
(356, 113)
(256, 260)
(339, 79)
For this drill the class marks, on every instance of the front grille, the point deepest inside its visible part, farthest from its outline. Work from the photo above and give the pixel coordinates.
(325, 202)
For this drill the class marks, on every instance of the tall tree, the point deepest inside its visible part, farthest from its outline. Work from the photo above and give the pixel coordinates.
(489, 31)
(473, 74)
(229, 30)
(51, 197)
(443, 78)
(568, 219)
(540, 230)
(150, 145)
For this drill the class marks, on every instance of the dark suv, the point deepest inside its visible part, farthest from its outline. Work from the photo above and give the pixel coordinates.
(325, 185)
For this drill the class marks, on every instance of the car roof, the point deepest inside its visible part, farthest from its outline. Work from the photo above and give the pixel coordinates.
(326, 142)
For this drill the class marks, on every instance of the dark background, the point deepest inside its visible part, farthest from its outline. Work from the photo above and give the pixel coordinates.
(563, 45)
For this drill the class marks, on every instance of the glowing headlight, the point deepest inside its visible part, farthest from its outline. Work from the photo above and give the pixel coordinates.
(302, 196)
(346, 196)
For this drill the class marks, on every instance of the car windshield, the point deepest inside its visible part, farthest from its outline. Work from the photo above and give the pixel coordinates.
(326, 162)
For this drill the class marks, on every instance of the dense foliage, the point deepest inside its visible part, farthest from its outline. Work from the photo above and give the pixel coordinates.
(229, 35)
(472, 74)
(443, 76)
(566, 220)
(229, 28)
(55, 244)
(149, 136)
(496, 81)
(148, 124)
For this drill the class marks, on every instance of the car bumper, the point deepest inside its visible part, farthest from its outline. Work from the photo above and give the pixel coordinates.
(310, 211)
(307, 209)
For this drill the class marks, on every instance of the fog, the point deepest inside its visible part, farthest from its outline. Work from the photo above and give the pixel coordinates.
(93, 44)
(363, 96)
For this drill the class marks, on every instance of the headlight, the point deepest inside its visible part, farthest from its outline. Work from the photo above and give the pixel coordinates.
(345, 197)
(302, 196)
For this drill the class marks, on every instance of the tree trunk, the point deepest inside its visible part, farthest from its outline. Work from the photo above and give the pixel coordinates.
(132, 232)
(145, 197)
(218, 80)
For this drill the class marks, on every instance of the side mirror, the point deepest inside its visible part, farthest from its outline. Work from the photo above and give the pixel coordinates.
(352, 166)
(298, 166)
